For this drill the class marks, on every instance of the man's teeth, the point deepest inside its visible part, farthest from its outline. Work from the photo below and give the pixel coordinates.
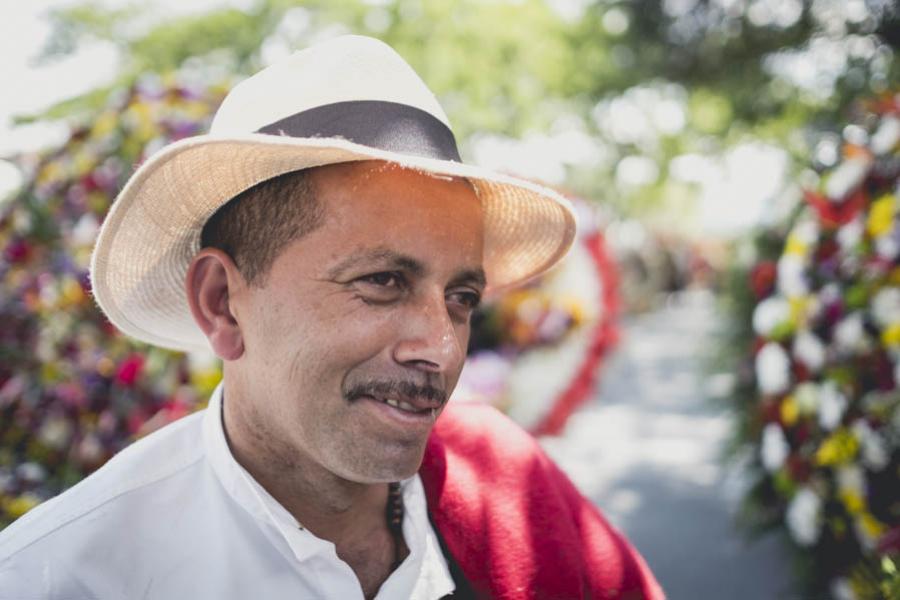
(402, 405)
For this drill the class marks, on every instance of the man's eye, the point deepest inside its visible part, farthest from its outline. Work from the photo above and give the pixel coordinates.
(470, 300)
(383, 279)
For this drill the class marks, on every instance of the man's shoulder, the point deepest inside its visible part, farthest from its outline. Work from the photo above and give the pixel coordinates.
(135, 470)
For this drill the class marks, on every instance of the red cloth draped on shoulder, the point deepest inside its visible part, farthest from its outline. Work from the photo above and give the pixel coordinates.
(516, 525)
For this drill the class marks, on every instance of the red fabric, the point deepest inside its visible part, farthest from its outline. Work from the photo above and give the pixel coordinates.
(516, 525)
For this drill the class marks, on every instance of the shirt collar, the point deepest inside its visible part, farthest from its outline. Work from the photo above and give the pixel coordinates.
(424, 568)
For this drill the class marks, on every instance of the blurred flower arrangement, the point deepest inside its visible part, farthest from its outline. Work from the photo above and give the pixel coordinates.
(823, 410)
(535, 352)
(72, 390)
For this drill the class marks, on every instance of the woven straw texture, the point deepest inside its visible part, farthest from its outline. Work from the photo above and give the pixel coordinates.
(153, 229)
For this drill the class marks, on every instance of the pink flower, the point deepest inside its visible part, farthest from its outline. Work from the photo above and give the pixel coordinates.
(130, 369)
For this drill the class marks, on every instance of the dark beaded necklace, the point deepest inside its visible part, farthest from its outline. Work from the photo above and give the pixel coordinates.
(394, 517)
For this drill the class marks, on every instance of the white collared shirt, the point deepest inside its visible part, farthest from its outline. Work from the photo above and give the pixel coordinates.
(175, 516)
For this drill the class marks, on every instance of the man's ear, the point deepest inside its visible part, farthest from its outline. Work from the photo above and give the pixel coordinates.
(211, 282)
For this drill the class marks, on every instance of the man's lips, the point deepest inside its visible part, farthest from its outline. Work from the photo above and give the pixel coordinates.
(409, 404)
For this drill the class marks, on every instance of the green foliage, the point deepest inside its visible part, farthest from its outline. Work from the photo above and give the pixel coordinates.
(513, 68)
(169, 44)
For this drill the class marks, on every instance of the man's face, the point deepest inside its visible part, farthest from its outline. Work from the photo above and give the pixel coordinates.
(359, 333)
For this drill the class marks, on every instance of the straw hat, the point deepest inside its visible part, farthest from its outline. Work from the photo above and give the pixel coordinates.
(350, 98)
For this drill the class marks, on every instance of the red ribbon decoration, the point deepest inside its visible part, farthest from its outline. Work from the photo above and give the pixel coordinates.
(835, 214)
(605, 336)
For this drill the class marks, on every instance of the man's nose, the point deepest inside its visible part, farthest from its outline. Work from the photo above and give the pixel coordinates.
(429, 339)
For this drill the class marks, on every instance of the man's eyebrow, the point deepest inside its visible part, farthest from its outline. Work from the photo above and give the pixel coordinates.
(384, 256)
(471, 276)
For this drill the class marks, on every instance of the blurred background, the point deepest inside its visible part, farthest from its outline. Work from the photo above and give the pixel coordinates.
(716, 363)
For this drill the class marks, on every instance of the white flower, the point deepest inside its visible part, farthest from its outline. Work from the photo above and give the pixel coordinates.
(849, 334)
(886, 137)
(807, 397)
(85, 231)
(872, 446)
(885, 306)
(842, 590)
(806, 233)
(865, 537)
(887, 246)
(809, 350)
(849, 235)
(830, 293)
(832, 405)
(774, 449)
(772, 369)
(792, 276)
(803, 514)
(769, 314)
(846, 177)
(851, 479)
(55, 432)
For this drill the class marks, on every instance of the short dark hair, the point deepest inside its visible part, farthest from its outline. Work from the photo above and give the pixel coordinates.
(256, 225)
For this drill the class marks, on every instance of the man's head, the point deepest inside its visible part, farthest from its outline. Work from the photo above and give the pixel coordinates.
(348, 99)
(346, 345)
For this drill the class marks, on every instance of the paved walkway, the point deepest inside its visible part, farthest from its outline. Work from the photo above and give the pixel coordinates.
(646, 452)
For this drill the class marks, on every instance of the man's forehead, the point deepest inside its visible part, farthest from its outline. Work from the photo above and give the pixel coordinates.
(363, 171)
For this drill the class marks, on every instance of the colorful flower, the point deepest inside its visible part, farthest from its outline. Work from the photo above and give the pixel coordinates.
(772, 369)
(803, 517)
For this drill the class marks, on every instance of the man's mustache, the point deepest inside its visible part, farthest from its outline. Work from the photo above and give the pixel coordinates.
(396, 388)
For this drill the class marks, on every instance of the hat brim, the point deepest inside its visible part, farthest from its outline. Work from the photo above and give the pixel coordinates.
(153, 229)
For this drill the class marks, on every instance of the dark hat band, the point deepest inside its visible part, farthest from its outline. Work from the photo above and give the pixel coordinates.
(389, 126)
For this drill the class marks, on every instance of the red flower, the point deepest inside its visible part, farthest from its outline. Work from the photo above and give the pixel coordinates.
(762, 279)
(833, 214)
(798, 468)
(889, 542)
(801, 371)
(17, 251)
(826, 250)
(130, 369)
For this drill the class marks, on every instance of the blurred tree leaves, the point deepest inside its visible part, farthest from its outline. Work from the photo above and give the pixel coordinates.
(514, 67)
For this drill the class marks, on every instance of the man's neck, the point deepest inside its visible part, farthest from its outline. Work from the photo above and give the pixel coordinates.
(349, 514)
(322, 502)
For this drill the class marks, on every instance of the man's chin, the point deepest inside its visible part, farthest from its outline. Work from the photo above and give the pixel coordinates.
(386, 469)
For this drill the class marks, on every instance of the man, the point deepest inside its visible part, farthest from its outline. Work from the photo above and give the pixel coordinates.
(328, 245)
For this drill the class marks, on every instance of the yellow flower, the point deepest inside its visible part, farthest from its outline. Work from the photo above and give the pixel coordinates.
(106, 367)
(881, 216)
(50, 372)
(795, 245)
(837, 449)
(72, 292)
(83, 163)
(789, 411)
(890, 337)
(872, 526)
(104, 124)
(799, 309)
(852, 501)
(19, 505)
(205, 380)
(51, 171)
(575, 308)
